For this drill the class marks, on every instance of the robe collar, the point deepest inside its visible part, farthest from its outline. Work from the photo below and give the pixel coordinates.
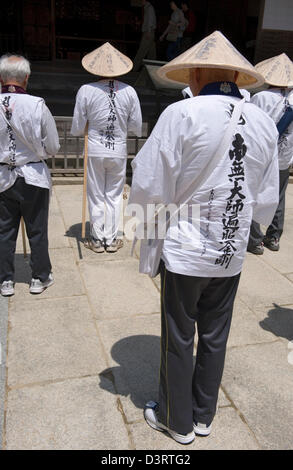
(13, 89)
(221, 88)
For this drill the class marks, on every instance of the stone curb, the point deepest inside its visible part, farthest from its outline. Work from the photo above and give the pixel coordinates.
(3, 352)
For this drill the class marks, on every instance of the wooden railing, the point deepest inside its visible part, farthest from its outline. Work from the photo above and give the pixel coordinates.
(69, 160)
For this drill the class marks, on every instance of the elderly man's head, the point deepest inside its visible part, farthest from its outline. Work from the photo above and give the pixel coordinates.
(199, 77)
(14, 70)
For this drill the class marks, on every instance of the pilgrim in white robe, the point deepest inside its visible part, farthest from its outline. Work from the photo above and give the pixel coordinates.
(33, 138)
(274, 102)
(112, 110)
(28, 136)
(244, 185)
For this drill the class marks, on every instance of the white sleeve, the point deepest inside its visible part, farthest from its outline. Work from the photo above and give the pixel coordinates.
(156, 167)
(268, 195)
(265, 101)
(80, 114)
(135, 117)
(49, 133)
(255, 99)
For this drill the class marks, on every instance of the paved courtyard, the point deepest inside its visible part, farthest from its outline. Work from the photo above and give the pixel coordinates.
(80, 360)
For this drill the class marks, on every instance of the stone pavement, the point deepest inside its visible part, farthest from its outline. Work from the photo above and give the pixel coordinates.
(83, 357)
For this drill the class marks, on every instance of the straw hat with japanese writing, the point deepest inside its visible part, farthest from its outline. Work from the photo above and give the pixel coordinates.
(106, 61)
(277, 71)
(215, 52)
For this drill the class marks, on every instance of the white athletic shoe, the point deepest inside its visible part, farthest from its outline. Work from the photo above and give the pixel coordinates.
(94, 245)
(114, 246)
(37, 286)
(7, 288)
(202, 429)
(150, 415)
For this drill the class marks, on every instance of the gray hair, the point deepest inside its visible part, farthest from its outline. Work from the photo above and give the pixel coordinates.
(14, 67)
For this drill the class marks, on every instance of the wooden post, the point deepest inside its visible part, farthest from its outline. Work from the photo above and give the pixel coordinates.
(84, 180)
(23, 237)
(53, 30)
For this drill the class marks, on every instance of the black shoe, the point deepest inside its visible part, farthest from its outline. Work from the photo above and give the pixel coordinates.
(256, 249)
(272, 243)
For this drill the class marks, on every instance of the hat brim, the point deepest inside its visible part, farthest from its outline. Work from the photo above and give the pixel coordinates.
(107, 61)
(101, 73)
(175, 74)
(277, 71)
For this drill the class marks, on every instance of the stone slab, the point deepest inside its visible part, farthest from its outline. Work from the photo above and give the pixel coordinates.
(67, 281)
(3, 352)
(70, 203)
(70, 415)
(56, 229)
(133, 349)
(288, 226)
(280, 260)
(52, 339)
(277, 320)
(261, 285)
(116, 289)
(259, 380)
(245, 327)
(289, 197)
(290, 277)
(229, 432)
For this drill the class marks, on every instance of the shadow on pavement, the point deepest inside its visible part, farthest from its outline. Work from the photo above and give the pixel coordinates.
(75, 231)
(137, 375)
(23, 273)
(279, 321)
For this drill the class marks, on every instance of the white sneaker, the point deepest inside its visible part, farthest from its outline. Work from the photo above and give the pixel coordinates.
(7, 288)
(37, 286)
(94, 245)
(150, 415)
(114, 246)
(202, 429)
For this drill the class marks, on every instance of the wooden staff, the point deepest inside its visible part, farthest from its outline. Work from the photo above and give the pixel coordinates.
(23, 237)
(84, 179)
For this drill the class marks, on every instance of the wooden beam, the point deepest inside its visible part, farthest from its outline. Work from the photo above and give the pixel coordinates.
(53, 30)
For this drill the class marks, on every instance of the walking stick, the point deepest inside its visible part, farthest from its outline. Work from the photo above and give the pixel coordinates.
(23, 237)
(84, 180)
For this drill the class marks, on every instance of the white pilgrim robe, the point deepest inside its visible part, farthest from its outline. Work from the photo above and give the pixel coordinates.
(243, 185)
(273, 102)
(112, 110)
(27, 134)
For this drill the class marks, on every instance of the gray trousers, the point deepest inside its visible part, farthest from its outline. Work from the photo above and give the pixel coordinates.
(189, 393)
(147, 49)
(275, 229)
(32, 203)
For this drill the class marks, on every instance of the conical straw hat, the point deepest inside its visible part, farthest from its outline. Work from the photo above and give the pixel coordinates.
(277, 71)
(106, 61)
(215, 51)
